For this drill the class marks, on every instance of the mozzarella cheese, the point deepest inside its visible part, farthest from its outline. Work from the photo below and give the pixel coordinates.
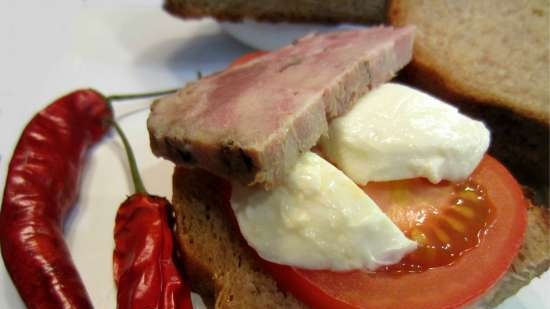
(396, 132)
(318, 219)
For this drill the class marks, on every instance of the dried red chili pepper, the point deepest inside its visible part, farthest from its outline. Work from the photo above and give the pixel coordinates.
(144, 271)
(41, 186)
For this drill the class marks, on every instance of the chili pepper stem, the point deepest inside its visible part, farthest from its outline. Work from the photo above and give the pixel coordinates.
(118, 97)
(136, 178)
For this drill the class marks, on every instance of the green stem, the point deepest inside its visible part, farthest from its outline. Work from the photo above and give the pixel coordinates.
(118, 97)
(136, 178)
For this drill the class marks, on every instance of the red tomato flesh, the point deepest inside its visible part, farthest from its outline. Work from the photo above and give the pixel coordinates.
(446, 220)
(451, 285)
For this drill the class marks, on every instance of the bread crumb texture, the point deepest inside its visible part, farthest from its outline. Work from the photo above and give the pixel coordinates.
(491, 50)
(215, 257)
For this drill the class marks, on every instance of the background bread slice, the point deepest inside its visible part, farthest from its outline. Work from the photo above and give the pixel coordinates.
(353, 11)
(495, 51)
(223, 270)
(491, 58)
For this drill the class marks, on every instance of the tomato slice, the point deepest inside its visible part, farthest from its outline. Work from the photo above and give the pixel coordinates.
(446, 220)
(247, 57)
(450, 286)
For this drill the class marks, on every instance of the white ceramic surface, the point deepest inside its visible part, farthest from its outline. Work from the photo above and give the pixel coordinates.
(269, 36)
(116, 47)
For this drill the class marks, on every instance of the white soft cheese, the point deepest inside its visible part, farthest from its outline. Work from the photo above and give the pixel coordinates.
(396, 132)
(318, 219)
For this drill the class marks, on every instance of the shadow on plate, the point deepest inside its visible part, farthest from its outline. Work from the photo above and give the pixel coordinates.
(12, 298)
(207, 53)
(160, 44)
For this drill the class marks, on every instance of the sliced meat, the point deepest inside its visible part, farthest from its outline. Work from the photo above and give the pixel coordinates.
(251, 122)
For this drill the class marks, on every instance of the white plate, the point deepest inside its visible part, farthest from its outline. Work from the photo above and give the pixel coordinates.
(113, 49)
(269, 36)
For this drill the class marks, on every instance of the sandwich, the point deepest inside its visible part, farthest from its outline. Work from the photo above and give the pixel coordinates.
(242, 139)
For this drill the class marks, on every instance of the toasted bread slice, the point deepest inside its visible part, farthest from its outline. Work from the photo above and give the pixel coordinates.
(354, 11)
(491, 59)
(225, 272)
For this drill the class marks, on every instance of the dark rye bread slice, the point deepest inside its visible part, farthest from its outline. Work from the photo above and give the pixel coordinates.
(491, 59)
(214, 256)
(321, 11)
(225, 272)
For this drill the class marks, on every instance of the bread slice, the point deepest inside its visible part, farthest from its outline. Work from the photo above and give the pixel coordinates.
(491, 58)
(352, 11)
(226, 273)
(215, 258)
(494, 51)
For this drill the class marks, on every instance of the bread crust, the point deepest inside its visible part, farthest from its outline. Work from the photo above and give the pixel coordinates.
(299, 11)
(219, 265)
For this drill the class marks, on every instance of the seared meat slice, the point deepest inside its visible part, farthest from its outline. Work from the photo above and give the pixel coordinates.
(251, 122)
